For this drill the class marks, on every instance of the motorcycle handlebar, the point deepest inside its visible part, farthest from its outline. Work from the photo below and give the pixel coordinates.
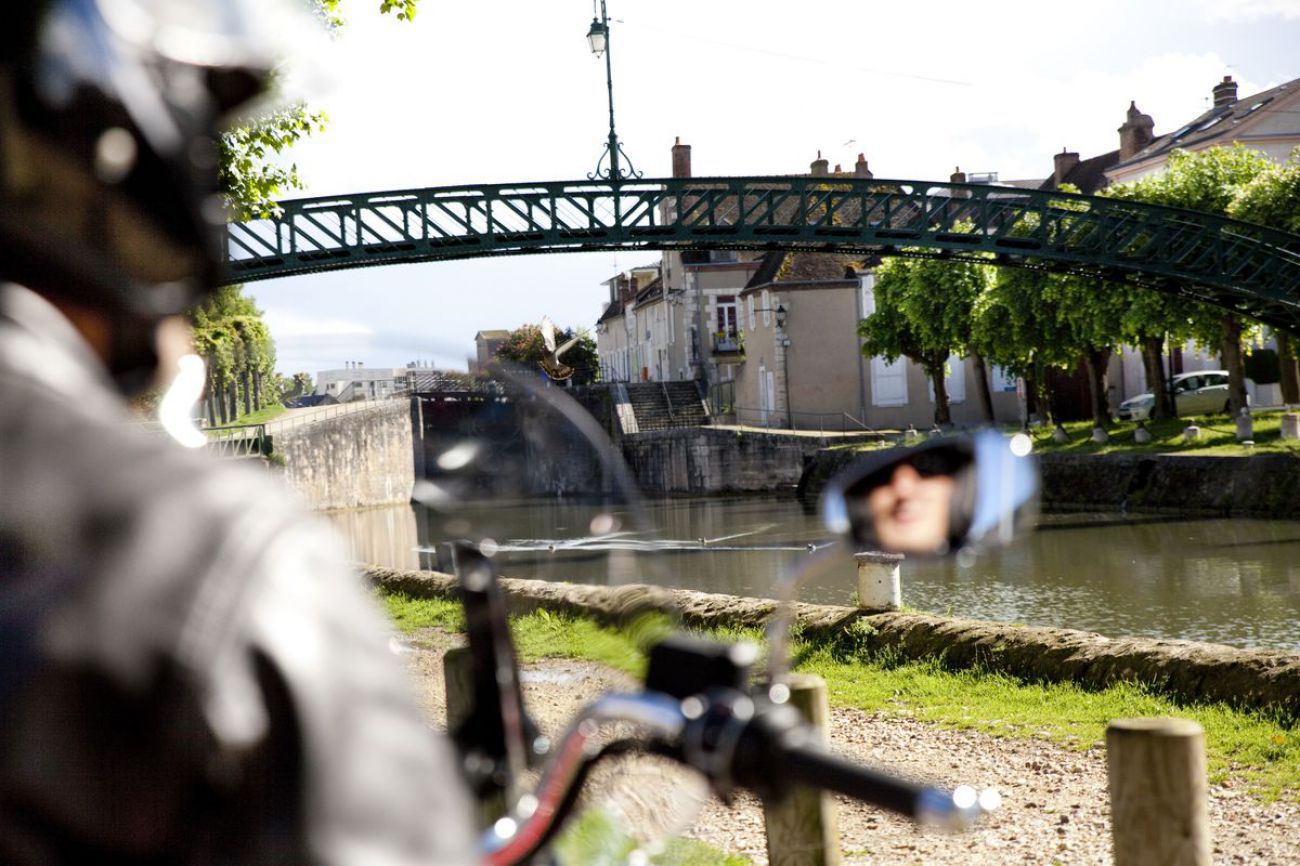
(956, 809)
(733, 741)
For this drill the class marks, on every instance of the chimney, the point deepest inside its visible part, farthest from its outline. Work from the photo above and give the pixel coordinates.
(860, 167)
(839, 169)
(1065, 161)
(1225, 92)
(820, 167)
(1136, 133)
(958, 176)
(681, 158)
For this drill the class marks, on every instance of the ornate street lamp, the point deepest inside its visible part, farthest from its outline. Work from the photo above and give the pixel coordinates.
(598, 39)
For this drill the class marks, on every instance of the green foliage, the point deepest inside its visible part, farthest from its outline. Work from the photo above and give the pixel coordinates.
(526, 348)
(405, 9)
(232, 338)
(1272, 198)
(1209, 181)
(291, 388)
(248, 174)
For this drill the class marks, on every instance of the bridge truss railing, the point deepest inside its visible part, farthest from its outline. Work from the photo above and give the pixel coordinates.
(1247, 267)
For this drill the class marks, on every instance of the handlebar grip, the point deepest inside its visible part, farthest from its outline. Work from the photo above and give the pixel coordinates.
(778, 749)
(818, 769)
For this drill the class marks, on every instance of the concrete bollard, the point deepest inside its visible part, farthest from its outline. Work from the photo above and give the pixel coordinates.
(1191, 432)
(1290, 425)
(1245, 426)
(803, 828)
(1158, 792)
(1100, 436)
(1060, 436)
(879, 586)
(1141, 435)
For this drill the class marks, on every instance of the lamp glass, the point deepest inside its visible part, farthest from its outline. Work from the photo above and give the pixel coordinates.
(596, 37)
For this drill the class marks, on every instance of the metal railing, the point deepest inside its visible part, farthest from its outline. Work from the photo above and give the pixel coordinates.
(238, 440)
(302, 418)
(780, 419)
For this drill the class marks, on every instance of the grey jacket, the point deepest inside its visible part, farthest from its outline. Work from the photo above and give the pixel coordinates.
(188, 671)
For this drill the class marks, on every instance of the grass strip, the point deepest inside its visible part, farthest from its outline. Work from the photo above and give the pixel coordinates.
(1259, 748)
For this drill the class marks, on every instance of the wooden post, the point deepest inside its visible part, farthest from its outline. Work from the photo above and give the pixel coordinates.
(803, 829)
(1158, 792)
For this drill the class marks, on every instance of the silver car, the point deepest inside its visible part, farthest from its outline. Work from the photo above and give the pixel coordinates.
(1198, 393)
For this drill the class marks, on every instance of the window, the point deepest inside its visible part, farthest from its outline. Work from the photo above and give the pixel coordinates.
(766, 303)
(868, 294)
(727, 316)
(954, 380)
(749, 307)
(888, 382)
(1003, 381)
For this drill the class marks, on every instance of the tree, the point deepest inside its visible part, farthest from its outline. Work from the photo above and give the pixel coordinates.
(525, 348)
(1208, 181)
(250, 176)
(939, 303)
(236, 345)
(891, 333)
(1016, 323)
(1273, 199)
(291, 388)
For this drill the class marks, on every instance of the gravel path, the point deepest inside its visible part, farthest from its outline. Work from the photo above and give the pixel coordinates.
(1054, 800)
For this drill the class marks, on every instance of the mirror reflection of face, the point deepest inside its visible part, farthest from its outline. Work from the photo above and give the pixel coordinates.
(910, 512)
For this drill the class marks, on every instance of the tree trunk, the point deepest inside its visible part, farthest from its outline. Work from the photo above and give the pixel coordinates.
(941, 414)
(232, 395)
(1097, 360)
(982, 386)
(257, 390)
(1044, 396)
(1234, 362)
(1031, 397)
(1290, 369)
(1154, 364)
(248, 392)
(219, 395)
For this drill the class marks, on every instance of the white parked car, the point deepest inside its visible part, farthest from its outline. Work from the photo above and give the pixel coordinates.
(1198, 393)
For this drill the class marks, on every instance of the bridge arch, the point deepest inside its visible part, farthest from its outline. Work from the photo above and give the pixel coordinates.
(1236, 265)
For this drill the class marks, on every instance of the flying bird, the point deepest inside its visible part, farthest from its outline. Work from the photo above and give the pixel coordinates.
(551, 363)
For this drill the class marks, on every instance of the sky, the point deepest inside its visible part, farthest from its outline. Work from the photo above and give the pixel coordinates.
(508, 91)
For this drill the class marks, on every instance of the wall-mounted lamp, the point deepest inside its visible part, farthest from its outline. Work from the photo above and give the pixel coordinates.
(780, 315)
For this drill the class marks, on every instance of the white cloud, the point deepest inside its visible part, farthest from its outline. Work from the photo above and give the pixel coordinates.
(289, 324)
(1250, 10)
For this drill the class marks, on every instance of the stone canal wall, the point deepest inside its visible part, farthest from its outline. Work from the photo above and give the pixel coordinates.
(357, 459)
(1183, 669)
(705, 460)
(1266, 485)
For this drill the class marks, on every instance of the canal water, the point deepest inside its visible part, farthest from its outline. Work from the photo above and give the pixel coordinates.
(1230, 581)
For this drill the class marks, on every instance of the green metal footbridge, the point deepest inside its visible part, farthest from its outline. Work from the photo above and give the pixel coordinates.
(1236, 265)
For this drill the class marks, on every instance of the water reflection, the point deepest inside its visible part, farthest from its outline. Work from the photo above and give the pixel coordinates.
(1227, 581)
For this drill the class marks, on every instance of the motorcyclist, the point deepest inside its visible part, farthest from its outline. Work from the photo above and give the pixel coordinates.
(189, 674)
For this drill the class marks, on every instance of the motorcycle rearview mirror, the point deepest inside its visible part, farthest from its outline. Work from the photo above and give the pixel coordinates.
(954, 493)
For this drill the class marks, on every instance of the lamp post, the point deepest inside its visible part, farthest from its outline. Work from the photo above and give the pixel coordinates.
(598, 39)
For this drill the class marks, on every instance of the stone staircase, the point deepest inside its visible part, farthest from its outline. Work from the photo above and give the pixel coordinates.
(665, 405)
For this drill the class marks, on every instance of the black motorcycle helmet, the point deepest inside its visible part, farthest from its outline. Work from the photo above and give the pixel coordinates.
(109, 116)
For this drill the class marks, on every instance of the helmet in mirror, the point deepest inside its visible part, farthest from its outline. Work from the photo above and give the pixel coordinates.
(110, 112)
(944, 496)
